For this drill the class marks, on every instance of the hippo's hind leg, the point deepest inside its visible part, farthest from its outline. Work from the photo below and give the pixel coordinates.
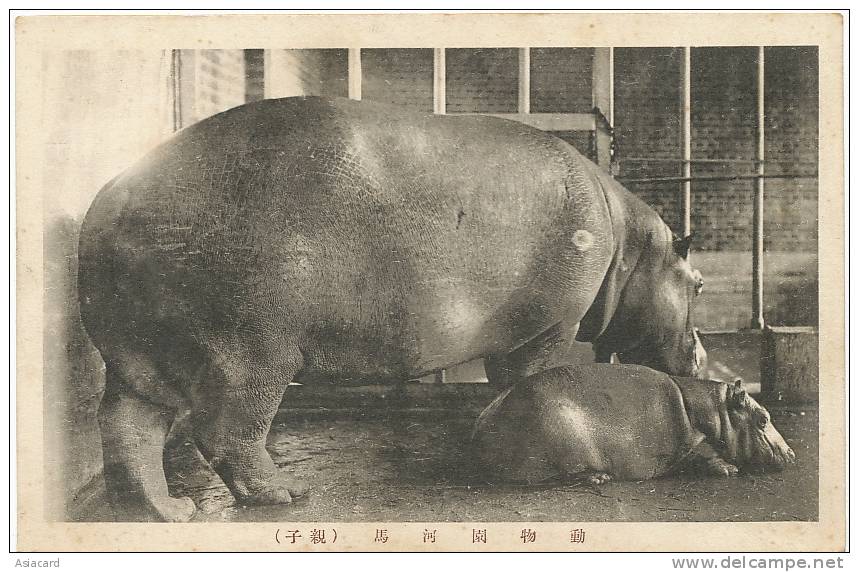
(544, 351)
(133, 429)
(233, 414)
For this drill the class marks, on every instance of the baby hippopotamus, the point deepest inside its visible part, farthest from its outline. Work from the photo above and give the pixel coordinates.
(626, 422)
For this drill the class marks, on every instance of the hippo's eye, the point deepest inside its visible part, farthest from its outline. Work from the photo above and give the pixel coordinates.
(763, 421)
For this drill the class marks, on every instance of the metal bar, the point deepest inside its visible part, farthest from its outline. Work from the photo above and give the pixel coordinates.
(717, 178)
(439, 107)
(439, 83)
(548, 121)
(354, 73)
(718, 161)
(758, 214)
(601, 102)
(524, 80)
(175, 88)
(611, 87)
(686, 120)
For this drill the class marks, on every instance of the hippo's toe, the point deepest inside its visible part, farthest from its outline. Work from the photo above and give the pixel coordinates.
(721, 468)
(598, 478)
(282, 491)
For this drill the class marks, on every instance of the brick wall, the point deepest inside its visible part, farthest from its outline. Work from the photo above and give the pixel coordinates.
(647, 124)
(561, 80)
(398, 76)
(791, 96)
(482, 80)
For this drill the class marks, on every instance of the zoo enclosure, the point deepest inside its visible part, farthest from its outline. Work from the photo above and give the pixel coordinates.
(151, 94)
(513, 85)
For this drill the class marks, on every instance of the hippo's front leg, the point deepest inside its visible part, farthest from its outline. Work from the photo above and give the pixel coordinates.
(233, 418)
(706, 460)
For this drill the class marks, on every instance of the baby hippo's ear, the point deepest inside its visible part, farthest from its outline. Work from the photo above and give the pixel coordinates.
(736, 394)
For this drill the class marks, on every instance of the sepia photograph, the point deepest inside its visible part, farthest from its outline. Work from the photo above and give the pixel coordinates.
(449, 282)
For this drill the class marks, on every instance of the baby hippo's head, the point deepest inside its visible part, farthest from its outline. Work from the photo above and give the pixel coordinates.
(753, 443)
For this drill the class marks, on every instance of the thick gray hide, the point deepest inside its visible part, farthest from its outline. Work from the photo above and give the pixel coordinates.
(626, 422)
(306, 238)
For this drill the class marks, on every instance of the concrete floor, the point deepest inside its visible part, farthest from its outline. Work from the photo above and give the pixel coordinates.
(414, 469)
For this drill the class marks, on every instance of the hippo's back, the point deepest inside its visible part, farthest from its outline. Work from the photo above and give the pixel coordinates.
(625, 420)
(360, 229)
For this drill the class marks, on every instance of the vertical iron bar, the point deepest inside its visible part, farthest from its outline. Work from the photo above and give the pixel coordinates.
(175, 88)
(686, 120)
(439, 84)
(524, 80)
(611, 87)
(439, 107)
(601, 102)
(758, 214)
(354, 73)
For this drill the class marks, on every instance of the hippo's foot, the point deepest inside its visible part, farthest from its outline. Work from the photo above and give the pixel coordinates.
(703, 458)
(596, 478)
(126, 508)
(720, 468)
(280, 491)
(172, 509)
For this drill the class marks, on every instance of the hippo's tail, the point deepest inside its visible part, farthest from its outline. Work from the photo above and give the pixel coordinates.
(489, 411)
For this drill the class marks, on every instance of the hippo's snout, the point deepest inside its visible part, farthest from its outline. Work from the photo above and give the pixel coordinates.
(776, 459)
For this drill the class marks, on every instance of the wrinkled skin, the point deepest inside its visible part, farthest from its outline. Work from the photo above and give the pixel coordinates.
(309, 239)
(626, 422)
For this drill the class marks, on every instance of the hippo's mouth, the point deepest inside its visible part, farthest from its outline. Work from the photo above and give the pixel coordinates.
(772, 460)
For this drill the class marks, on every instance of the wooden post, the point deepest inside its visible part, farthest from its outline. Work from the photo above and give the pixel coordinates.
(354, 73)
(524, 80)
(602, 96)
(439, 82)
(758, 213)
(686, 129)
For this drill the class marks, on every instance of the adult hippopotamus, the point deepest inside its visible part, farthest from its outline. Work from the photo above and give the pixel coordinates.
(309, 238)
(626, 422)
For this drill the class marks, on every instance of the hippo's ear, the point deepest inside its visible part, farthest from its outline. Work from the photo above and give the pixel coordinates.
(736, 394)
(682, 246)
